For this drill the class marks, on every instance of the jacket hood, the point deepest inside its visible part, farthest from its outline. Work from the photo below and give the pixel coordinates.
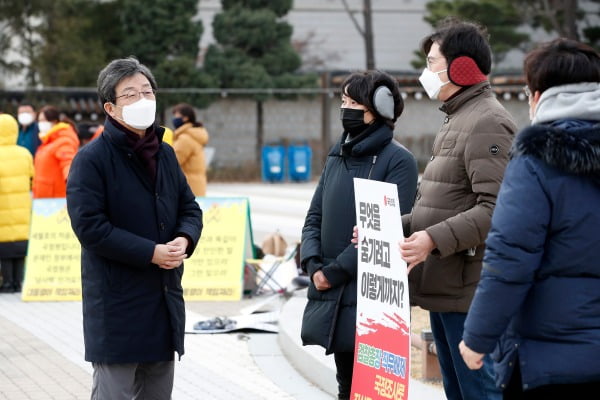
(195, 132)
(370, 142)
(9, 130)
(576, 101)
(572, 146)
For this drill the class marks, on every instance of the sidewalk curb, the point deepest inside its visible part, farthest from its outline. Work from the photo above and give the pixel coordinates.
(311, 361)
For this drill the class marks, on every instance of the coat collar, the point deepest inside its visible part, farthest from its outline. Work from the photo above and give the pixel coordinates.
(456, 102)
(367, 143)
(116, 132)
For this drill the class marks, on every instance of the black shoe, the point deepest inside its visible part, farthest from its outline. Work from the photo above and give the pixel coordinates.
(7, 287)
(17, 287)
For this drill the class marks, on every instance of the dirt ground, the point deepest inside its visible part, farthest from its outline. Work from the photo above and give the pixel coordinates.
(419, 322)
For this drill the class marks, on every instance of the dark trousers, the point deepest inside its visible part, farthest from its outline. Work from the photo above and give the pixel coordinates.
(133, 381)
(460, 383)
(12, 270)
(344, 364)
(580, 391)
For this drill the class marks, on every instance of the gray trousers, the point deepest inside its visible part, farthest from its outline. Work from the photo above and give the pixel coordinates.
(133, 381)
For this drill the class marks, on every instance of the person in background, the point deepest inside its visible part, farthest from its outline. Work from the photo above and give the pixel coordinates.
(137, 220)
(541, 255)
(55, 154)
(16, 171)
(457, 193)
(371, 104)
(28, 128)
(189, 139)
(86, 132)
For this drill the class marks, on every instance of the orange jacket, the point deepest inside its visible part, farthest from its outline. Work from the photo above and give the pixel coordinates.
(53, 160)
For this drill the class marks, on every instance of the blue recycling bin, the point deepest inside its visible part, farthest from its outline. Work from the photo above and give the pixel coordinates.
(273, 163)
(299, 162)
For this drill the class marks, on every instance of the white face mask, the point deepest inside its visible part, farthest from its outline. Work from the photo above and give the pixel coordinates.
(44, 126)
(25, 118)
(141, 114)
(432, 83)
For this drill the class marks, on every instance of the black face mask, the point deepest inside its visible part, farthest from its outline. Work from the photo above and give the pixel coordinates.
(353, 120)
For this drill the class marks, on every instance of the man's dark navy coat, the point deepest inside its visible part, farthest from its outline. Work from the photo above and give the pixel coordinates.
(133, 311)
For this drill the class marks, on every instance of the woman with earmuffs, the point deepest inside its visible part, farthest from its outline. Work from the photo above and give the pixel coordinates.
(371, 104)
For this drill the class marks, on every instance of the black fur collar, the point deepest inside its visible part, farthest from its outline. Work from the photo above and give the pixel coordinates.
(575, 151)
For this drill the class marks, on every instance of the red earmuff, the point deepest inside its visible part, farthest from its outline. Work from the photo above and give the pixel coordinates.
(463, 71)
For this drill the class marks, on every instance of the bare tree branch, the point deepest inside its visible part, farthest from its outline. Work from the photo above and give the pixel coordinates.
(353, 18)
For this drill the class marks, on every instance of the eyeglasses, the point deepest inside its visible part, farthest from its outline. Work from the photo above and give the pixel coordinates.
(431, 60)
(526, 90)
(133, 94)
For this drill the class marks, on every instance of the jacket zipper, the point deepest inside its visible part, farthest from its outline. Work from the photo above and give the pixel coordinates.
(372, 165)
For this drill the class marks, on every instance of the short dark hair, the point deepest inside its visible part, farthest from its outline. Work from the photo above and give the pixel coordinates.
(360, 86)
(461, 38)
(187, 111)
(115, 71)
(51, 113)
(560, 62)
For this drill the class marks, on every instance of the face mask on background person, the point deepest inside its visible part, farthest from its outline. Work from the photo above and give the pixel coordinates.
(177, 122)
(432, 83)
(353, 120)
(25, 118)
(141, 114)
(44, 126)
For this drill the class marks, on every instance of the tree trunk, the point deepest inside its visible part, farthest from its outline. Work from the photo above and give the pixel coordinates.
(325, 118)
(570, 19)
(260, 131)
(369, 46)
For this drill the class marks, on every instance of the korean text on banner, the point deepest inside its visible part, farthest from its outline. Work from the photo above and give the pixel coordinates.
(382, 344)
(214, 272)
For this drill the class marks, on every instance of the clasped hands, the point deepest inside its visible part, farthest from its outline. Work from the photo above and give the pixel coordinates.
(171, 254)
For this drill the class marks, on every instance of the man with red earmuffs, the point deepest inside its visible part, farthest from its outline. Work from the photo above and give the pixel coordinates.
(457, 194)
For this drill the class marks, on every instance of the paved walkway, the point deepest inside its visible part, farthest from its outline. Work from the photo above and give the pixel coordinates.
(41, 343)
(41, 357)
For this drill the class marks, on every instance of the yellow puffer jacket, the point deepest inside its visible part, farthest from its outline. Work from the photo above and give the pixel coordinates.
(16, 172)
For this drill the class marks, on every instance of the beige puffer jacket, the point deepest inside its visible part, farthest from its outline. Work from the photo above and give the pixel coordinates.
(456, 197)
(188, 143)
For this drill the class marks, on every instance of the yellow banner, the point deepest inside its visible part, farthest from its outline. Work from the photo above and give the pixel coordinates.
(214, 272)
(53, 267)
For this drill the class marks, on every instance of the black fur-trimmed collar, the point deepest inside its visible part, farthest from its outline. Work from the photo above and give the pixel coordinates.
(575, 151)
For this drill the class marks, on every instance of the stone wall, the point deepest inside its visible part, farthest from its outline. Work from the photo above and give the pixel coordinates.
(231, 124)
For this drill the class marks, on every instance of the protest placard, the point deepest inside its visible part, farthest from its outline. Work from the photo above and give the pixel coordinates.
(382, 345)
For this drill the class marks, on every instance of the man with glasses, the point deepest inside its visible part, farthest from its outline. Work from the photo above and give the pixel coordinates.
(137, 220)
(456, 197)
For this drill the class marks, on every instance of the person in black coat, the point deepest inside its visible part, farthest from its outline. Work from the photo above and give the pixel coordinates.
(371, 104)
(137, 220)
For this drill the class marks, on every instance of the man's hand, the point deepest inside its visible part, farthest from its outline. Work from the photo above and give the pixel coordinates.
(472, 359)
(415, 248)
(320, 281)
(355, 236)
(180, 241)
(170, 255)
